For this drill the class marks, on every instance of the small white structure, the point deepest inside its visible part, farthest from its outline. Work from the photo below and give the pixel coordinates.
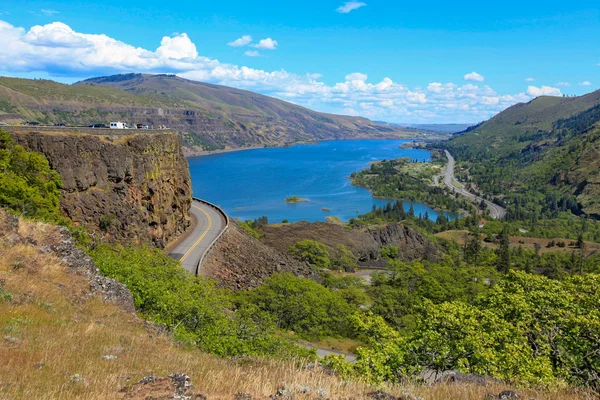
(117, 125)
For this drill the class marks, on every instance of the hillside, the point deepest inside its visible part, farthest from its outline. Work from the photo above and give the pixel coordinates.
(540, 158)
(69, 332)
(208, 117)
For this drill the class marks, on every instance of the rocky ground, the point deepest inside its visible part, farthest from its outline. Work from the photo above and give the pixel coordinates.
(239, 261)
(365, 244)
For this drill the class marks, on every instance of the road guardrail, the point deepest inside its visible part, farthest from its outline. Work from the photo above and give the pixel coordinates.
(216, 239)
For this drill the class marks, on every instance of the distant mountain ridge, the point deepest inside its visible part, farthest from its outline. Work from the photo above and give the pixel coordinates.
(208, 117)
(441, 128)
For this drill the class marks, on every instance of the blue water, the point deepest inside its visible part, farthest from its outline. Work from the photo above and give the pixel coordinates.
(253, 183)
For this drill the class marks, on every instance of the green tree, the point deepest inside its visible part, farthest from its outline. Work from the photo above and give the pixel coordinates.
(312, 252)
(503, 253)
(27, 184)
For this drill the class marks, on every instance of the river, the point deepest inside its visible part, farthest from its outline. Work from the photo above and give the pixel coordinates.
(253, 183)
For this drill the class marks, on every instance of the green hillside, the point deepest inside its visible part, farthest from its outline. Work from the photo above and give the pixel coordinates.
(539, 158)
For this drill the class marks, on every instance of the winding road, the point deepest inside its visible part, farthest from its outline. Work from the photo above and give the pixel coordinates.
(190, 250)
(496, 211)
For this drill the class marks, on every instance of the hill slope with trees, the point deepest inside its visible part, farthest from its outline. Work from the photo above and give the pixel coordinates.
(539, 158)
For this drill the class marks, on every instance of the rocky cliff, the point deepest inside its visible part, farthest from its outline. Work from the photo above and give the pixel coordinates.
(134, 188)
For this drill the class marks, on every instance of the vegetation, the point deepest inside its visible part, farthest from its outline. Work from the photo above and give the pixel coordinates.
(295, 199)
(402, 179)
(252, 227)
(320, 257)
(27, 184)
(527, 328)
(302, 305)
(190, 306)
(539, 160)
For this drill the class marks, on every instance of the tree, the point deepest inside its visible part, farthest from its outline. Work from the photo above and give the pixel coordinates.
(312, 252)
(27, 184)
(503, 252)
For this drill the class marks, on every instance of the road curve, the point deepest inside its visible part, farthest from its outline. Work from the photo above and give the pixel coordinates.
(496, 211)
(210, 224)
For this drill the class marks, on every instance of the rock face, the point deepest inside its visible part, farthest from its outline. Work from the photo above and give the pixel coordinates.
(133, 188)
(365, 244)
(412, 245)
(239, 261)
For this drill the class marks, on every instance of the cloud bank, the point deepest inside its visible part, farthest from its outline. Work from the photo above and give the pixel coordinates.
(58, 50)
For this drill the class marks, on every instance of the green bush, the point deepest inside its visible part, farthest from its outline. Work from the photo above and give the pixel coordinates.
(192, 307)
(312, 252)
(528, 329)
(27, 184)
(301, 305)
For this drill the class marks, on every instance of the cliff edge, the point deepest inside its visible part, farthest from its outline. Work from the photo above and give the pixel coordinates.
(134, 188)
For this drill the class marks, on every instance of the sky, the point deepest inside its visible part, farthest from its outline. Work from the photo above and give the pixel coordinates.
(397, 61)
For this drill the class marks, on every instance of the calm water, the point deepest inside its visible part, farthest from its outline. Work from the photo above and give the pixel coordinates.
(253, 183)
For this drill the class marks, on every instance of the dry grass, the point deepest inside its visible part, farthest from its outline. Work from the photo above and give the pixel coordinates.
(52, 329)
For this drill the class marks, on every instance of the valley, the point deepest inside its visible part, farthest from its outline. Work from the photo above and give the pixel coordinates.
(421, 253)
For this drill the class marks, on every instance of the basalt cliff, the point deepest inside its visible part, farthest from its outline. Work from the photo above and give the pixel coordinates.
(132, 188)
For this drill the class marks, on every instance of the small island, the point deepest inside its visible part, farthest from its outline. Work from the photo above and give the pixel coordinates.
(326, 209)
(295, 199)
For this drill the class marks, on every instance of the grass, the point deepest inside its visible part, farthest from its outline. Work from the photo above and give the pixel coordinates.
(53, 328)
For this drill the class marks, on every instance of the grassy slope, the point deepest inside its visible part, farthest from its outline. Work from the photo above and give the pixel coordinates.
(52, 329)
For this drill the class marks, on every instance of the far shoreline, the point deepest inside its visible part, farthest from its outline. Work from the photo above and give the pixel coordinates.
(224, 151)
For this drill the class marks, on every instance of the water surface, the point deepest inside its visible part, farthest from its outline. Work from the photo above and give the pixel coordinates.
(253, 183)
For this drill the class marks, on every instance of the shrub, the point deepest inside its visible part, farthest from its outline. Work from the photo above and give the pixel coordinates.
(312, 252)
(192, 307)
(301, 305)
(27, 184)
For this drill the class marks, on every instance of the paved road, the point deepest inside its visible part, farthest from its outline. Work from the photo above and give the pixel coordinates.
(496, 211)
(191, 249)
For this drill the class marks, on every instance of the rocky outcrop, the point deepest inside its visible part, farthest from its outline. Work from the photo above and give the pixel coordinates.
(135, 188)
(412, 245)
(365, 244)
(239, 261)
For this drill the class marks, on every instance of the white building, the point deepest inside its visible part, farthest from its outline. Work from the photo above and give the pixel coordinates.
(117, 125)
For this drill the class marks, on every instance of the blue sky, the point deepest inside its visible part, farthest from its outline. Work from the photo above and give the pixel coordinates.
(400, 61)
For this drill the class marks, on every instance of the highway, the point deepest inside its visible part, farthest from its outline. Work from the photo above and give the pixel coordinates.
(191, 249)
(450, 181)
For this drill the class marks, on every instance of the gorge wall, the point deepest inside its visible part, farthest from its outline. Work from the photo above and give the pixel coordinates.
(135, 188)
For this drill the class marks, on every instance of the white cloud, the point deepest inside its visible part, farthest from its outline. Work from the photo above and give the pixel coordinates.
(356, 76)
(48, 12)
(252, 53)
(563, 84)
(177, 48)
(474, 76)
(543, 91)
(530, 80)
(585, 83)
(267, 44)
(56, 50)
(240, 42)
(350, 6)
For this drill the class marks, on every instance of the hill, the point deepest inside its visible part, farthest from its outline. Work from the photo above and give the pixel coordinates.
(208, 117)
(540, 158)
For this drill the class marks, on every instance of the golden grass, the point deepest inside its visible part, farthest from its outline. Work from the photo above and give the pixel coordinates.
(52, 329)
